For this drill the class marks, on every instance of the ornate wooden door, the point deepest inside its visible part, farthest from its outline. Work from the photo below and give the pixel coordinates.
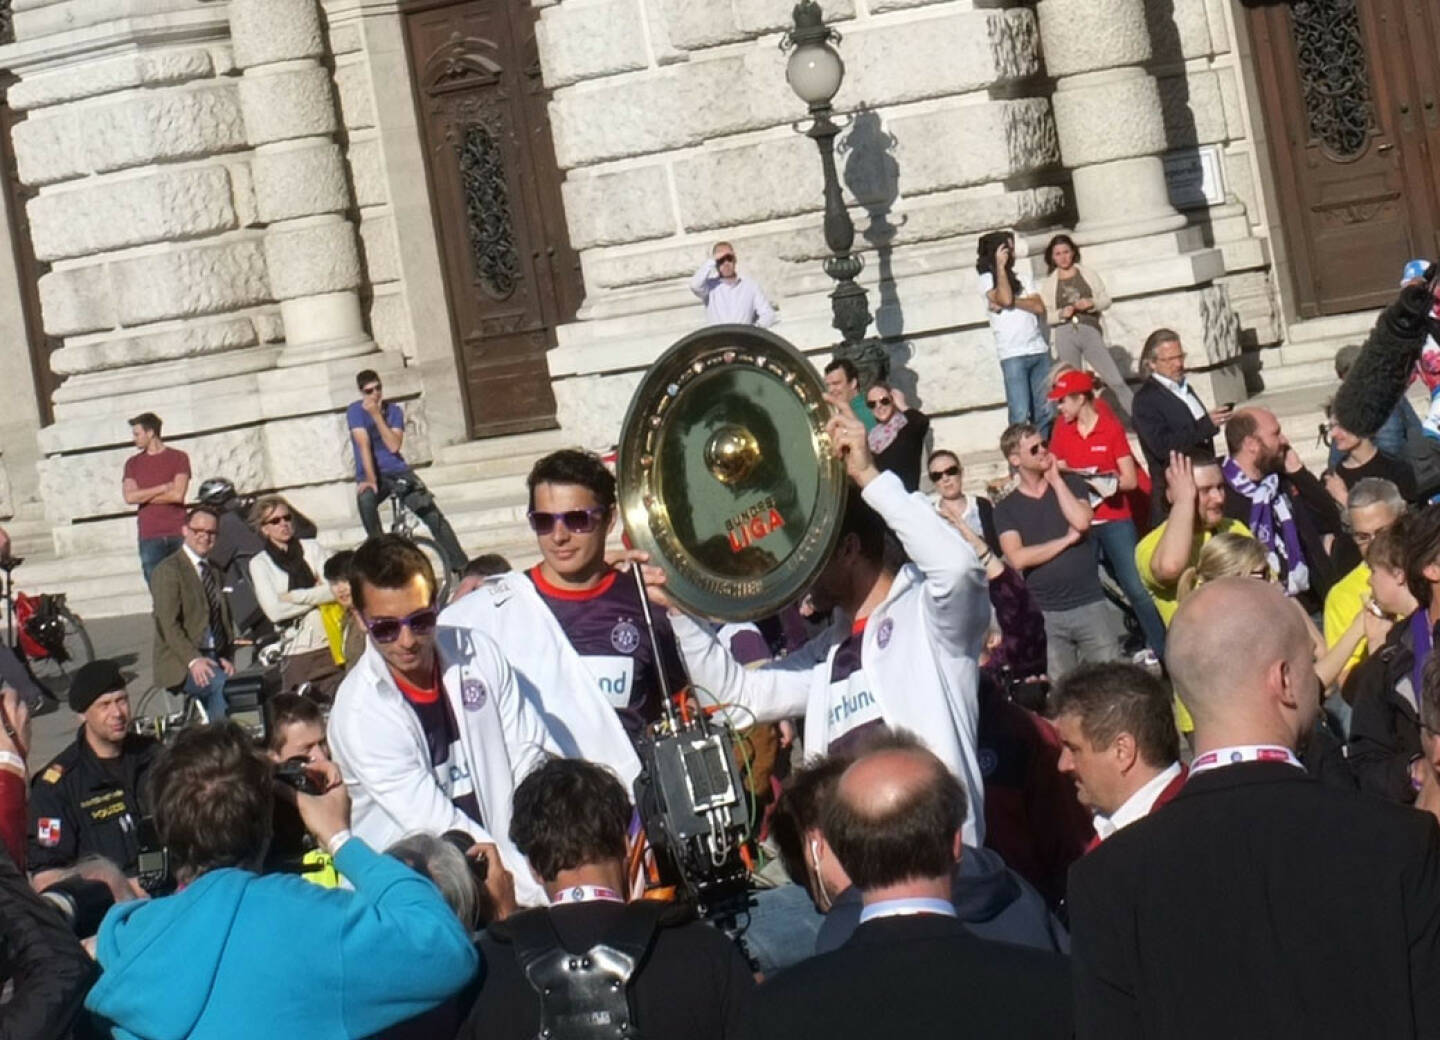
(1340, 83)
(511, 275)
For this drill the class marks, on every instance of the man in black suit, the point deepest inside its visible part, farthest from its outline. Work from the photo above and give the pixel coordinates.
(1259, 902)
(911, 969)
(1167, 414)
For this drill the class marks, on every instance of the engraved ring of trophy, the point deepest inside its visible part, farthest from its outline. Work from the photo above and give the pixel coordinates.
(726, 475)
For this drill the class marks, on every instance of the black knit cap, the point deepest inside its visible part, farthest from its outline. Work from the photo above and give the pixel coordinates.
(94, 680)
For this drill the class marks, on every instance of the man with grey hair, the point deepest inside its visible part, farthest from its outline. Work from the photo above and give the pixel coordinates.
(1372, 506)
(1216, 896)
(1168, 414)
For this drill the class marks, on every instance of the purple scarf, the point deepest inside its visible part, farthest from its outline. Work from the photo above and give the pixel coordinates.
(1272, 524)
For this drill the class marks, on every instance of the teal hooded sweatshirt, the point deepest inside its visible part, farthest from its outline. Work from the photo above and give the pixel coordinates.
(235, 954)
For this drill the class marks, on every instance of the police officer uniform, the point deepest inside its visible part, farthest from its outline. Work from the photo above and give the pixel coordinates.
(81, 804)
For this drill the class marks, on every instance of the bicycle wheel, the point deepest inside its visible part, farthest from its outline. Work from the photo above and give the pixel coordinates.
(444, 581)
(78, 649)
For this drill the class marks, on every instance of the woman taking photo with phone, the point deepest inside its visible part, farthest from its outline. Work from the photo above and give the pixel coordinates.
(1074, 296)
(1016, 313)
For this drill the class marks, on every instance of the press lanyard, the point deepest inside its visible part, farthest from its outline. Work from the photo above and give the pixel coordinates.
(586, 894)
(1229, 756)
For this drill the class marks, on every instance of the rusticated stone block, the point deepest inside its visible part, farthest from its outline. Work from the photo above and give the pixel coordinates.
(310, 258)
(181, 282)
(959, 369)
(390, 322)
(96, 137)
(286, 102)
(192, 339)
(91, 79)
(680, 106)
(1193, 109)
(367, 170)
(377, 238)
(1207, 324)
(126, 211)
(781, 176)
(881, 6)
(1086, 35)
(1179, 29)
(265, 31)
(591, 407)
(1126, 104)
(299, 181)
(357, 100)
(76, 299)
(345, 37)
(693, 25)
(308, 450)
(622, 206)
(585, 40)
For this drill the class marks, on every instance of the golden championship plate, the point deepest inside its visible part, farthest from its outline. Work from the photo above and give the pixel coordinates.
(726, 474)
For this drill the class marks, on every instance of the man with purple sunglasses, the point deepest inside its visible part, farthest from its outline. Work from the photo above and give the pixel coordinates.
(430, 730)
(572, 626)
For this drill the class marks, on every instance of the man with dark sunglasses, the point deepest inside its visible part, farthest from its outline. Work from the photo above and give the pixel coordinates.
(572, 626)
(377, 433)
(430, 729)
(1044, 529)
(728, 298)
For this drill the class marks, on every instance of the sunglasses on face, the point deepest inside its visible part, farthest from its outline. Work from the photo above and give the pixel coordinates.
(1035, 449)
(576, 521)
(727, 258)
(938, 475)
(371, 389)
(284, 519)
(388, 629)
(879, 402)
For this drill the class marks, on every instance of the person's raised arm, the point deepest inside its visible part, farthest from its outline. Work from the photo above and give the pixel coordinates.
(704, 279)
(1172, 552)
(393, 437)
(1077, 514)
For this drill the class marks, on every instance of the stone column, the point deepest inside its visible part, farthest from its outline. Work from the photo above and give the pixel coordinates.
(311, 248)
(1108, 117)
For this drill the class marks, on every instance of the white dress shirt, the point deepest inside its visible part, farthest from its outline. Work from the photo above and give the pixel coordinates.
(737, 302)
(1137, 805)
(1182, 390)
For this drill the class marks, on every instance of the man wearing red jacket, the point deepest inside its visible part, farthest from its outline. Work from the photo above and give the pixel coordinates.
(1119, 743)
(14, 745)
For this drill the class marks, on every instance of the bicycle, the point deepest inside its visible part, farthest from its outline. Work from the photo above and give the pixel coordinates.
(404, 521)
(45, 635)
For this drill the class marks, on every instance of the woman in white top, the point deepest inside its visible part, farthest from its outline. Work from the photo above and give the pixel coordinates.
(1075, 297)
(1017, 315)
(290, 585)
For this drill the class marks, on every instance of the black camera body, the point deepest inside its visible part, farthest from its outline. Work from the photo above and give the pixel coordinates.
(693, 806)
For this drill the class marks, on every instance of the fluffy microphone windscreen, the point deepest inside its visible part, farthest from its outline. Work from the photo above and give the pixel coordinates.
(1377, 380)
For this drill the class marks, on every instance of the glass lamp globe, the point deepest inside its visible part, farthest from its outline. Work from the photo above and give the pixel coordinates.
(814, 72)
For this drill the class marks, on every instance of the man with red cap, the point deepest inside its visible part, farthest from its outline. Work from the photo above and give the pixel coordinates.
(1090, 442)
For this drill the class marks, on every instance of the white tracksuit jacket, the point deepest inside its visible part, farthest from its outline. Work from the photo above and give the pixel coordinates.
(920, 652)
(377, 740)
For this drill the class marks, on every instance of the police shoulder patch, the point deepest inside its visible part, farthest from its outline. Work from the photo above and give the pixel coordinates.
(53, 774)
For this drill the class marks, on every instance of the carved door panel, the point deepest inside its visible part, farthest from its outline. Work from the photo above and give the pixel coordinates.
(501, 235)
(1356, 199)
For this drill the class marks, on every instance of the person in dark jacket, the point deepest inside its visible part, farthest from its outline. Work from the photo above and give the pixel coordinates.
(992, 900)
(41, 957)
(911, 968)
(1168, 414)
(898, 437)
(1283, 504)
(1384, 689)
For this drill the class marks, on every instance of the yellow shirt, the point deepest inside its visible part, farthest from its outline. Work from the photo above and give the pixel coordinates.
(1165, 595)
(1343, 606)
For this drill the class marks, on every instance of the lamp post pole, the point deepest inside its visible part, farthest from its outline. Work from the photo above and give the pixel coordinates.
(815, 73)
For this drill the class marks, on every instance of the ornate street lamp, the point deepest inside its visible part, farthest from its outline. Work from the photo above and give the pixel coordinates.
(815, 71)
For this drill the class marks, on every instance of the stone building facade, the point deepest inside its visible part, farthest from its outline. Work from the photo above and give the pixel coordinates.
(233, 205)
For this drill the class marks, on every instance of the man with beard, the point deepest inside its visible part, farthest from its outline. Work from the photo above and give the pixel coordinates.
(1282, 503)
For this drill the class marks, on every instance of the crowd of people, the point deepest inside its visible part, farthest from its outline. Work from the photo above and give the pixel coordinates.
(1123, 739)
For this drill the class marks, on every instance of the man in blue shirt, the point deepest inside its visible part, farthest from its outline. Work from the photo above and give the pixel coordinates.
(377, 433)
